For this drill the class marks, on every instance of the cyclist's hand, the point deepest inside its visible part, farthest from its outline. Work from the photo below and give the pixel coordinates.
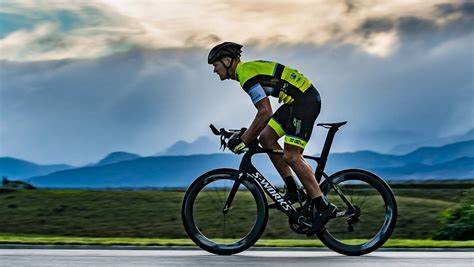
(286, 99)
(236, 144)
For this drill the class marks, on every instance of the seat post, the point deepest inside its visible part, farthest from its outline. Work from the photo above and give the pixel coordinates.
(325, 153)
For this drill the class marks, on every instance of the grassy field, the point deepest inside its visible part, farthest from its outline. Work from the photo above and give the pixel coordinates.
(155, 214)
(143, 241)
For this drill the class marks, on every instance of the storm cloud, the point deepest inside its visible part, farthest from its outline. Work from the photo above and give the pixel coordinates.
(51, 30)
(72, 91)
(76, 111)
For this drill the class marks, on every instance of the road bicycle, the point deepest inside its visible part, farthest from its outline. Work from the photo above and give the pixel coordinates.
(225, 211)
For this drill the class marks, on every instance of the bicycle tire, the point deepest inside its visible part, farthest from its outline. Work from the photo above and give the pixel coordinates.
(391, 213)
(193, 231)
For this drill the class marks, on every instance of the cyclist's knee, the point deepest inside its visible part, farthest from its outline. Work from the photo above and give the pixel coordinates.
(267, 139)
(291, 157)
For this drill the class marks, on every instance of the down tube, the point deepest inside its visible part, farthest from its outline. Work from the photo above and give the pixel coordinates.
(272, 192)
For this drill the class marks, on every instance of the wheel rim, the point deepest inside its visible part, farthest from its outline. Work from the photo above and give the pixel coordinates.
(212, 227)
(376, 213)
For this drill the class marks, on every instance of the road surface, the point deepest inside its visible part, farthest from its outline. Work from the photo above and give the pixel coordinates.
(195, 258)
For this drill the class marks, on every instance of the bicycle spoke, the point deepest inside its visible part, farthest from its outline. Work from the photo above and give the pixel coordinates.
(365, 226)
(220, 201)
(215, 201)
(362, 203)
(352, 199)
(224, 223)
(213, 223)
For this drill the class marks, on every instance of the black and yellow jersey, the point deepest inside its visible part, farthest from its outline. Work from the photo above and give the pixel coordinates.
(302, 102)
(273, 77)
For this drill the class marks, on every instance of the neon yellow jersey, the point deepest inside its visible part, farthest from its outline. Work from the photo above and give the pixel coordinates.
(273, 75)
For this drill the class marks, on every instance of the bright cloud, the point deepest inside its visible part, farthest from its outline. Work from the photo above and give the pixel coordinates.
(118, 25)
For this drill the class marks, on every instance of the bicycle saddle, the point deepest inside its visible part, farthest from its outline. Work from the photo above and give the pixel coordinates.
(334, 124)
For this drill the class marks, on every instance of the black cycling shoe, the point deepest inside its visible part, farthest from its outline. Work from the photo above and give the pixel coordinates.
(321, 218)
(289, 196)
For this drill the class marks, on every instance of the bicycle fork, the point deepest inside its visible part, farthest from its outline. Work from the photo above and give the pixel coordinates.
(232, 193)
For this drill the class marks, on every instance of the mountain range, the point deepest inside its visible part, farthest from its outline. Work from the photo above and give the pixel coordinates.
(162, 171)
(423, 155)
(17, 168)
(117, 157)
(406, 148)
(446, 162)
(202, 145)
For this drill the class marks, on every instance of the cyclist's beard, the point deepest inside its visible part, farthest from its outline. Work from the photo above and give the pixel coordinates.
(223, 75)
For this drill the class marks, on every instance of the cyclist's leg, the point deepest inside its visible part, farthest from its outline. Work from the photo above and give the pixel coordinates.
(269, 140)
(298, 132)
(293, 156)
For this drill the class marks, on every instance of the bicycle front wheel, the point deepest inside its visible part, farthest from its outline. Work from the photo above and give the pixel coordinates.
(367, 212)
(211, 226)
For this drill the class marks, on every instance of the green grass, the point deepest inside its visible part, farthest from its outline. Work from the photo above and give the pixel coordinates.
(92, 213)
(128, 241)
(155, 214)
(446, 194)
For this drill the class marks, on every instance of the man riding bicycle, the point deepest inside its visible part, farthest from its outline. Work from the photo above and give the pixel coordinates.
(294, 119)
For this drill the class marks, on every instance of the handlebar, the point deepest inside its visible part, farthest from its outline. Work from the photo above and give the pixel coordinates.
(226, 134)
(214, 130)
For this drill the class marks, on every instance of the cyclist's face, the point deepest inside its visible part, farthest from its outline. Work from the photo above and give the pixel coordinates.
(219, 68)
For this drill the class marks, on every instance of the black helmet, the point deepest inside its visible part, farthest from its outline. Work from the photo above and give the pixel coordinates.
(226, 49)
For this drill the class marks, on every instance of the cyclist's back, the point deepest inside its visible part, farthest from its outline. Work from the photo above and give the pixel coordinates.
(274, 78)
(302, 103)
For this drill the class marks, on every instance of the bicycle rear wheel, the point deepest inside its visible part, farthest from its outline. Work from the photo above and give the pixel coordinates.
(369, 219)
(219, 231)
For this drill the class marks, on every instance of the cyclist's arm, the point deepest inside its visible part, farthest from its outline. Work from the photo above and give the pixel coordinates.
(264, 113)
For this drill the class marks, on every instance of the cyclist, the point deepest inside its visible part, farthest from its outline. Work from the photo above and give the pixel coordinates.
(294, 119)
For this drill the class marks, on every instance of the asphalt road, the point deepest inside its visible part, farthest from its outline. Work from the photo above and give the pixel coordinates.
(194, 258)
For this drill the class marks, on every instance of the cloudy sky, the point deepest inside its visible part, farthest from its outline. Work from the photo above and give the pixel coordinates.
(80, 79)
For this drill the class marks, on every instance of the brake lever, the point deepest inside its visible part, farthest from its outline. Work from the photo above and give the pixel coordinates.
(223, 143)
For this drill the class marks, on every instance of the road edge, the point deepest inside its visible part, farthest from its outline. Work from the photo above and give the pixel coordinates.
(100, 247)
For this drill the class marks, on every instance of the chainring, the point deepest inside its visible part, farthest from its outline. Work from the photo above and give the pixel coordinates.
(296, 226)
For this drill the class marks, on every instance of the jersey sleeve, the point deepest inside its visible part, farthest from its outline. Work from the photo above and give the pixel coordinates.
(247, 75)
(256, 93)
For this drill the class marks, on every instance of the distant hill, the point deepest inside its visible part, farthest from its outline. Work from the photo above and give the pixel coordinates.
(22, 169)
(435, 155)
(406, 148)
(424, 155)
(202, 145)
(117, 157)
(461, 168)
(164, 171)
(362, 159)
(445, 162)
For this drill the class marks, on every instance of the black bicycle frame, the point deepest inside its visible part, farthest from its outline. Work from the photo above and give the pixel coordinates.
(248, 170)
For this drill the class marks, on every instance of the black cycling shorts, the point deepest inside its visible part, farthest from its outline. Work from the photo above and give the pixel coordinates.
(296, 121)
